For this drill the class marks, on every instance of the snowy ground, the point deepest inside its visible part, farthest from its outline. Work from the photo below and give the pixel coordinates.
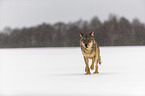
(60, 72)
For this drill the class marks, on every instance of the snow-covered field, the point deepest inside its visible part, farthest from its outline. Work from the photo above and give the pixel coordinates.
(60, 72)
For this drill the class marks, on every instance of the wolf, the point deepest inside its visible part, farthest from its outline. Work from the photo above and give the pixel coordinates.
(90, 50)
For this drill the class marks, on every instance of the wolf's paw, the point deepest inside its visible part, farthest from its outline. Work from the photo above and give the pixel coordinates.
(96, 72)
(88, 73)
(92, 67)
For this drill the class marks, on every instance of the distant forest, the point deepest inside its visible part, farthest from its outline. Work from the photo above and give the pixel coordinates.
(112, 32)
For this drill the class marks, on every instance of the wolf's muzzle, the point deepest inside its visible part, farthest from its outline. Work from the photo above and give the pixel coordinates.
(86, 45)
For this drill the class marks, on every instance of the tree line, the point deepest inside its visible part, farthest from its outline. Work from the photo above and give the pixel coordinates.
(112, 32)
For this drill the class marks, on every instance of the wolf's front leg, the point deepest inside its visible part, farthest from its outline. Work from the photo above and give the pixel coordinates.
(87, 70)
(93, 60)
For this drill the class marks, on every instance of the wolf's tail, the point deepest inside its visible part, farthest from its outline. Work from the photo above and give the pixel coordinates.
(99, 57)
(99, 60)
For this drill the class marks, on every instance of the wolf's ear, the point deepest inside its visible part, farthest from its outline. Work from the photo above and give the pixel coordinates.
(81, 34)
(92, 34)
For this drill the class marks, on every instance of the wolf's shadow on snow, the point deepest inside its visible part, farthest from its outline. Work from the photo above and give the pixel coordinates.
(83, 74)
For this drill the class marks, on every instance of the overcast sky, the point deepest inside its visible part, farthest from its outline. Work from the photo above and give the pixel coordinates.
(20, 13)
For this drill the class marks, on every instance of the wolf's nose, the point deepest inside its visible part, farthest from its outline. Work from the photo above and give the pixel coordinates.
(86, 45)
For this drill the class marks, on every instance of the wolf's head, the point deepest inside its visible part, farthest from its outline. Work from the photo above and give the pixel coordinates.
(87, 40)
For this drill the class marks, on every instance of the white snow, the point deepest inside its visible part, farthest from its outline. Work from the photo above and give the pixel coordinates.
(60, 72)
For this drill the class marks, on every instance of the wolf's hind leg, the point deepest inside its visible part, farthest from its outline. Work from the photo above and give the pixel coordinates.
(92, 66)
(96, 71)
